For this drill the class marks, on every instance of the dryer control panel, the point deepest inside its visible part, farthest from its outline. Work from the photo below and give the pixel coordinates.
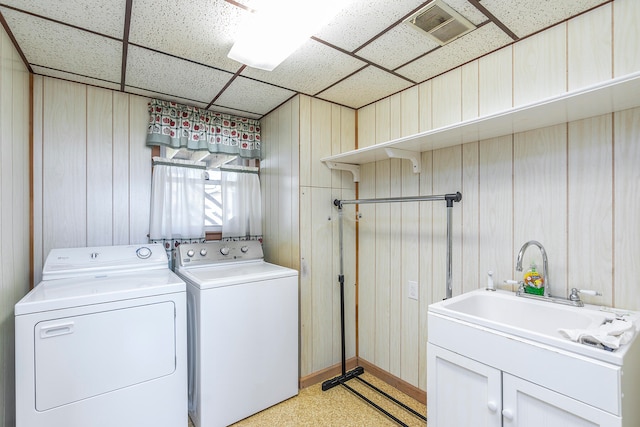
(191, 254)
(94, 261)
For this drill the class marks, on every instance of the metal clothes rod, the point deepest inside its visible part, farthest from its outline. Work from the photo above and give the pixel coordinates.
(358, 370)
(453, 197)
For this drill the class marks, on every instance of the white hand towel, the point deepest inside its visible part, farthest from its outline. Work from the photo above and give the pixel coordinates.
(611, 334)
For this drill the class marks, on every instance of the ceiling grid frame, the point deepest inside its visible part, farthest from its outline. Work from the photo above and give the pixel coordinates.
(345, 77)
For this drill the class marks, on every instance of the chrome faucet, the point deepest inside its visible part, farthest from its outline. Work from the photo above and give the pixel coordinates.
(573, 299)
(545, 264)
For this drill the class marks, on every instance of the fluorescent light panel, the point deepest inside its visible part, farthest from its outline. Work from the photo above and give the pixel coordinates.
(269, 35)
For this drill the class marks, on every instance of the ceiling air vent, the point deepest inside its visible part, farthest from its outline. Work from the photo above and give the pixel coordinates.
(440, 22)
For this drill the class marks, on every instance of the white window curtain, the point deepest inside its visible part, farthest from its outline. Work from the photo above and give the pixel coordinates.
(241, 203)
(177, 203)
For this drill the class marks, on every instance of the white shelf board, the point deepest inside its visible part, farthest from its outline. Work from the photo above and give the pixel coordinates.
(612, 95)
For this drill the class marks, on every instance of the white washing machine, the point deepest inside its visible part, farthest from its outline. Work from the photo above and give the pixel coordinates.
(101, 341)
(243, 331)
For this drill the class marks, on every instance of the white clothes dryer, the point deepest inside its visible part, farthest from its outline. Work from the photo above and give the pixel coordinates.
(243, 331)
(101, 341)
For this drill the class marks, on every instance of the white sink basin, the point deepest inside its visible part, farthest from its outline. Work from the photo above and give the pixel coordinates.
(537, 316)
(529, 318)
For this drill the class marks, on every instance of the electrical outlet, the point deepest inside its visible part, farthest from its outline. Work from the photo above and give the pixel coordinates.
(413, 290)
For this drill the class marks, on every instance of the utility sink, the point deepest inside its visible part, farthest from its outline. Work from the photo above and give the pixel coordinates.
(531, 319)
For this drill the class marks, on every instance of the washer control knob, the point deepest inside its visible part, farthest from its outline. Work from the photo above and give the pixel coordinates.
(143, 252)
(203, 252)
(244, 249)
(224, 250)
(190, 253)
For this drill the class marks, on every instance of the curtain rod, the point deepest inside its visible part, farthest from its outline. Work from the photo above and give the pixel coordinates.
(239, 168)
(179, 163)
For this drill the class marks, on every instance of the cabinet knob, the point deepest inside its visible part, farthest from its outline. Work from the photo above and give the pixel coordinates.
(492, 406)
(507, 414)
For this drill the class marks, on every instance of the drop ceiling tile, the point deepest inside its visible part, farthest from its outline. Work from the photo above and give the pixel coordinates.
(64, 48)
(172, 76)
(364, 19)
(466, 9)
(203, 105)
(164, 96)
(404, 42)
(397, 47)
(525, 17)
(468, 47)
(75, 78)
(310, 69)
(102, 16)
(364, 87)
(198, 30)
(252, 96)
(234, 112)
(250, 4)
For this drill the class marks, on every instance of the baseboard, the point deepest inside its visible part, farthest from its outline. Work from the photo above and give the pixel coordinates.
(408, 389)
(327, 373)
(335, 370)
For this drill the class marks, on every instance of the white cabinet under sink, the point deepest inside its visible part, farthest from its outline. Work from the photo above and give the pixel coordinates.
(526, 404)
(482, 376)
(462, 392)
(465, 392)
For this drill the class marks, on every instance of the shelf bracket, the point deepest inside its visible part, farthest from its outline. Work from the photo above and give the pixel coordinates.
(354, 169)
(396, 153)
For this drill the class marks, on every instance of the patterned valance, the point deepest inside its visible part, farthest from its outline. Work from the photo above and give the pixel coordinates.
(182, 126)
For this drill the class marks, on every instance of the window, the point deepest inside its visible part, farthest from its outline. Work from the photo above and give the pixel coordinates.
(213, 201)
(213, 178)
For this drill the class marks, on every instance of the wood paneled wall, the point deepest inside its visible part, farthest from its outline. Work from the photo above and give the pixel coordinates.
(14, 211)
(92, 169)
(301, 223)
(573, 186)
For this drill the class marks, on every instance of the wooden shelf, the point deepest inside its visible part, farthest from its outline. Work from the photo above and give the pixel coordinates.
(613, 95)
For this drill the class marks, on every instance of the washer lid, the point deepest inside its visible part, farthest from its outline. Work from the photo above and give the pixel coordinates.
(100, 260)
(233, 273)
(81, 291)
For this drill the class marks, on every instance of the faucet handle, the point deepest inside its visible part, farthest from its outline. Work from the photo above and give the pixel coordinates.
(575, 297)
(516, 282)
(590, 292)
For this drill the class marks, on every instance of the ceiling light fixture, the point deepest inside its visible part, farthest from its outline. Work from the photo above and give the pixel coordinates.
(276, 30)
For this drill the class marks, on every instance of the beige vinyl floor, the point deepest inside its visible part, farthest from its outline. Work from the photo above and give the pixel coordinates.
(337, 407)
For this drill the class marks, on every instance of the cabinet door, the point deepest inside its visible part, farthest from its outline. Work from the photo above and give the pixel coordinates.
(528, 405)
(461, 392)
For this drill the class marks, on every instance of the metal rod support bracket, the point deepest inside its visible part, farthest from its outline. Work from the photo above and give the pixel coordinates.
(450, 198)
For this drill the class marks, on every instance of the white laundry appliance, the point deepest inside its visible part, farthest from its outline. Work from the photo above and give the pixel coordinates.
(101, 341)
(243, 330)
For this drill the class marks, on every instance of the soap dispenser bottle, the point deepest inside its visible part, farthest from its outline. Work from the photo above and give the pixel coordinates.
(490, 285)
(533, 281)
